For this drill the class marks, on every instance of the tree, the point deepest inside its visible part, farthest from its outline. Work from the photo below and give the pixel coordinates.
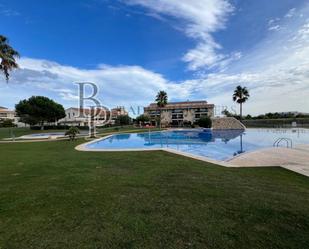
(241, 95)
(7, 56)
(39, 109)
(7, 123)
(161, 100)
(204, 122)
(72, 133)
(227, 113)
(142, 119)
(123, 120)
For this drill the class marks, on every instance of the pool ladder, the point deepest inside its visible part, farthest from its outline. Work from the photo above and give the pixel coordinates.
(289, 142)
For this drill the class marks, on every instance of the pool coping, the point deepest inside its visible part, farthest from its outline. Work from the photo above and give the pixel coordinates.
(225, 163)
(83, 147)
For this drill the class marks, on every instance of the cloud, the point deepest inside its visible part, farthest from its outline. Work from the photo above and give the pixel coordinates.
(274, 28)
(9, 13)
(118, 85)
(276, 72)
(199, 19)
(291, 13)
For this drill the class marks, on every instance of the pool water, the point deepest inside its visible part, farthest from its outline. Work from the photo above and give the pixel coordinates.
(46, 134)
(216, 144)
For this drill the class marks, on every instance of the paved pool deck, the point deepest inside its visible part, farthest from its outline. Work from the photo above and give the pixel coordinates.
(295, 159)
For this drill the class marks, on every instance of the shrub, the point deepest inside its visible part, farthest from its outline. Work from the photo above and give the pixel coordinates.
(122, 120)
(72, 132)
(7, 123)
(205, 122)
(142, 119)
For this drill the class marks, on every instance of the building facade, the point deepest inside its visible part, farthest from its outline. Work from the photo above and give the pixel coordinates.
(73, 116)
(5, 113)
(179, 113)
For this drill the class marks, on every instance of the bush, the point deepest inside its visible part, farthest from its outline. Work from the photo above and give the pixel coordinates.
(205, 122)
(142, 119)
(72, 133)
(7, 123)
(122, 120)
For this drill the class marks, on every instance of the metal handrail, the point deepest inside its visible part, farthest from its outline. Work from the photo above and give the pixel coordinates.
(289, 142)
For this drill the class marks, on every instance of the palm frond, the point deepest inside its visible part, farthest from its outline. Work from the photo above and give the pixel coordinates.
(8, 57)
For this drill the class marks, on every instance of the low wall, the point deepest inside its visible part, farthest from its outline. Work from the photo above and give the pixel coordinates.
(227, 123)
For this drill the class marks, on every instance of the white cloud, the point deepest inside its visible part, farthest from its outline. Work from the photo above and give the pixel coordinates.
(200, 19)
(121, 85)
(274, 28)
(291, 13)
(276, 73)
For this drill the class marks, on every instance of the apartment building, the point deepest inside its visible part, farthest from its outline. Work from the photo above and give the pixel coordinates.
(179, 113)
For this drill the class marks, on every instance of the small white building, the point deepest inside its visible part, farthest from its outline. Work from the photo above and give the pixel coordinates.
(73, 116)
(5, 113)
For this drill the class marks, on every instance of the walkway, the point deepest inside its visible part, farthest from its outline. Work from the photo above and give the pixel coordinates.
(296, 159)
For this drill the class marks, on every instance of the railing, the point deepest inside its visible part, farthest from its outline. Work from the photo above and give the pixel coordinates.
(289, 142)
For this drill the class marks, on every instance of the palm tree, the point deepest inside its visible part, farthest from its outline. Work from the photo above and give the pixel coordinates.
(161, 100)
(241, 95)
(7, 56)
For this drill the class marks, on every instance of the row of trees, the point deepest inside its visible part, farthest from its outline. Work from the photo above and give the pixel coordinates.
(270, 115)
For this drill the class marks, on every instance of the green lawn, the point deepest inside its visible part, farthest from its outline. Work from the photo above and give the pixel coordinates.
(17, 132)
(52, 196)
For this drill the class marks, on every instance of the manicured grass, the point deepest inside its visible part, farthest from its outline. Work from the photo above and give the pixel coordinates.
(20, 131)
(55, 197)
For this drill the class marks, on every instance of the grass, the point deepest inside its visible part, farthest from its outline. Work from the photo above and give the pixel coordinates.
(53, 196)
(7, 132)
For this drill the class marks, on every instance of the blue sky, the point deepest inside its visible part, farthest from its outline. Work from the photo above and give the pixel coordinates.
(197, 49)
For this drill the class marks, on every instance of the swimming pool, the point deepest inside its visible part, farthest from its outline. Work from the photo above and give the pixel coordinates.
(215, 144)
(43, 135)
(46, 134)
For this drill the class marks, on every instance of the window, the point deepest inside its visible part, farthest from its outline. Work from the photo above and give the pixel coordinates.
(177, 116)
(177, 111)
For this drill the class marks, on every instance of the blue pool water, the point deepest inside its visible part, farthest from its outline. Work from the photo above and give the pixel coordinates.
(219, 145)
(46, 134)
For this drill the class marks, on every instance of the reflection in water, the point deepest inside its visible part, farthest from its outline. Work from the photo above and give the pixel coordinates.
(124, 136)
(216, 144)
(178, 138)
(241, 146)
(190, 137)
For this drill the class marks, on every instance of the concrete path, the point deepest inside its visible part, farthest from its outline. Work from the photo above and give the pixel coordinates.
(296, 159)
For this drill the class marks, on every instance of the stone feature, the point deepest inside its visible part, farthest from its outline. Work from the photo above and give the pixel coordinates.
(227, 123)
